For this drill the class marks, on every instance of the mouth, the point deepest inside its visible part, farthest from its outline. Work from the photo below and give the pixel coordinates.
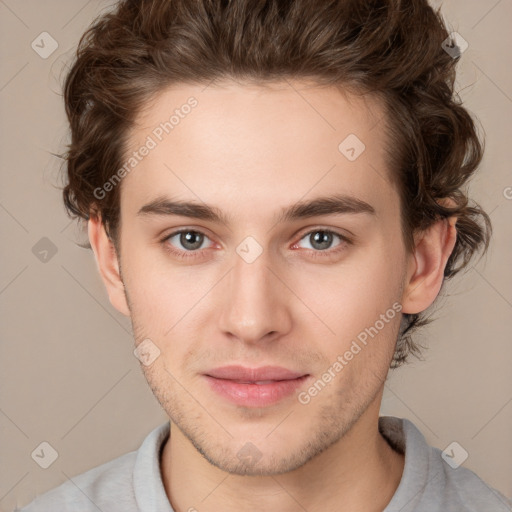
(254, 387)
(258, 382)
(254, 375)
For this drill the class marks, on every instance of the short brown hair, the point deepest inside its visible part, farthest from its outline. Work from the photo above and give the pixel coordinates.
(389, 48)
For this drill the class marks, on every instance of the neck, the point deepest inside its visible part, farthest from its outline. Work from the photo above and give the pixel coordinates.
(360, 472)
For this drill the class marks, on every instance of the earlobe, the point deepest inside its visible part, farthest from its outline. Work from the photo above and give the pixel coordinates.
(427, 264)
(108, 264)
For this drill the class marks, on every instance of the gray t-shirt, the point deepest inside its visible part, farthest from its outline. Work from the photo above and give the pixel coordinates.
(133, 482)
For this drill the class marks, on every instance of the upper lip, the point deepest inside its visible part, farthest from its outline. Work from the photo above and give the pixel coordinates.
(253, 374)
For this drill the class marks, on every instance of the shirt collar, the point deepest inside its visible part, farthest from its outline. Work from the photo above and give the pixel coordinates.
(148, 486)
(404, 437)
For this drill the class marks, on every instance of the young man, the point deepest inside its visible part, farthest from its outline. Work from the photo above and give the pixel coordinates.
(274, 197)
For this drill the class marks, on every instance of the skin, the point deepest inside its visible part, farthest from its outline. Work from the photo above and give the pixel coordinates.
(251, 151)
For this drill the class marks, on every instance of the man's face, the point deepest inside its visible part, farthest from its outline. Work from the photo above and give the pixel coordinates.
(260, 290)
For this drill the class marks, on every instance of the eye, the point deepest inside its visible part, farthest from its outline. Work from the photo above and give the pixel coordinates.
(321, 240)
(185, 240)
(187, 243)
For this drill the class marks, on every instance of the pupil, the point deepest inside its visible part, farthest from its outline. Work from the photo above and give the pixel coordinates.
(187, 240)
(322, 238)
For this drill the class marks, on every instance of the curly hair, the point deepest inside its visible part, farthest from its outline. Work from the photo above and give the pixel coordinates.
(392, 49)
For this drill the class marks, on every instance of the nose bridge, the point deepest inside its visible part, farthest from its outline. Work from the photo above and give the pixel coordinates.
(253, 305)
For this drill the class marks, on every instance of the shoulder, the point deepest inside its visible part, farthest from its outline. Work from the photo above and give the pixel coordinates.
(105, 487)
(461, 489)
(120, 485)
(433, 482)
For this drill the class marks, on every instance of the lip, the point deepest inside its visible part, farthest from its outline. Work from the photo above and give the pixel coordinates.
(236, 372)
(238, 384)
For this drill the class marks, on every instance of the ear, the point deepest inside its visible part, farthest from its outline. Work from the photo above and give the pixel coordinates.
(108, 264)
(426, 266)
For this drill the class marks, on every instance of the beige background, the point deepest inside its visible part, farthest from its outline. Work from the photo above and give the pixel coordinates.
(68, 373)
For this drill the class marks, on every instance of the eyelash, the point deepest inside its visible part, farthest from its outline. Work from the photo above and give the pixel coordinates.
(315, 253)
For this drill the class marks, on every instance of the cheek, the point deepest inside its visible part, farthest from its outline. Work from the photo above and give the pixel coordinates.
(375, 280)
(353, 293)
(359, 302)
(167, 301)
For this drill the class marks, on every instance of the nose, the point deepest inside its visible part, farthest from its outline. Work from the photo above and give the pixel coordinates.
(255, 307)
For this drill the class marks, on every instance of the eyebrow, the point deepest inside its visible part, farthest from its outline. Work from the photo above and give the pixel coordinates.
(326, 205)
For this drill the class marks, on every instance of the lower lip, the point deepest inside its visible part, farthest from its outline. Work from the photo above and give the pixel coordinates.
(255, 395)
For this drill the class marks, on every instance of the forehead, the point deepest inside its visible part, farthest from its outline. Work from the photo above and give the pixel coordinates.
(249, 146)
